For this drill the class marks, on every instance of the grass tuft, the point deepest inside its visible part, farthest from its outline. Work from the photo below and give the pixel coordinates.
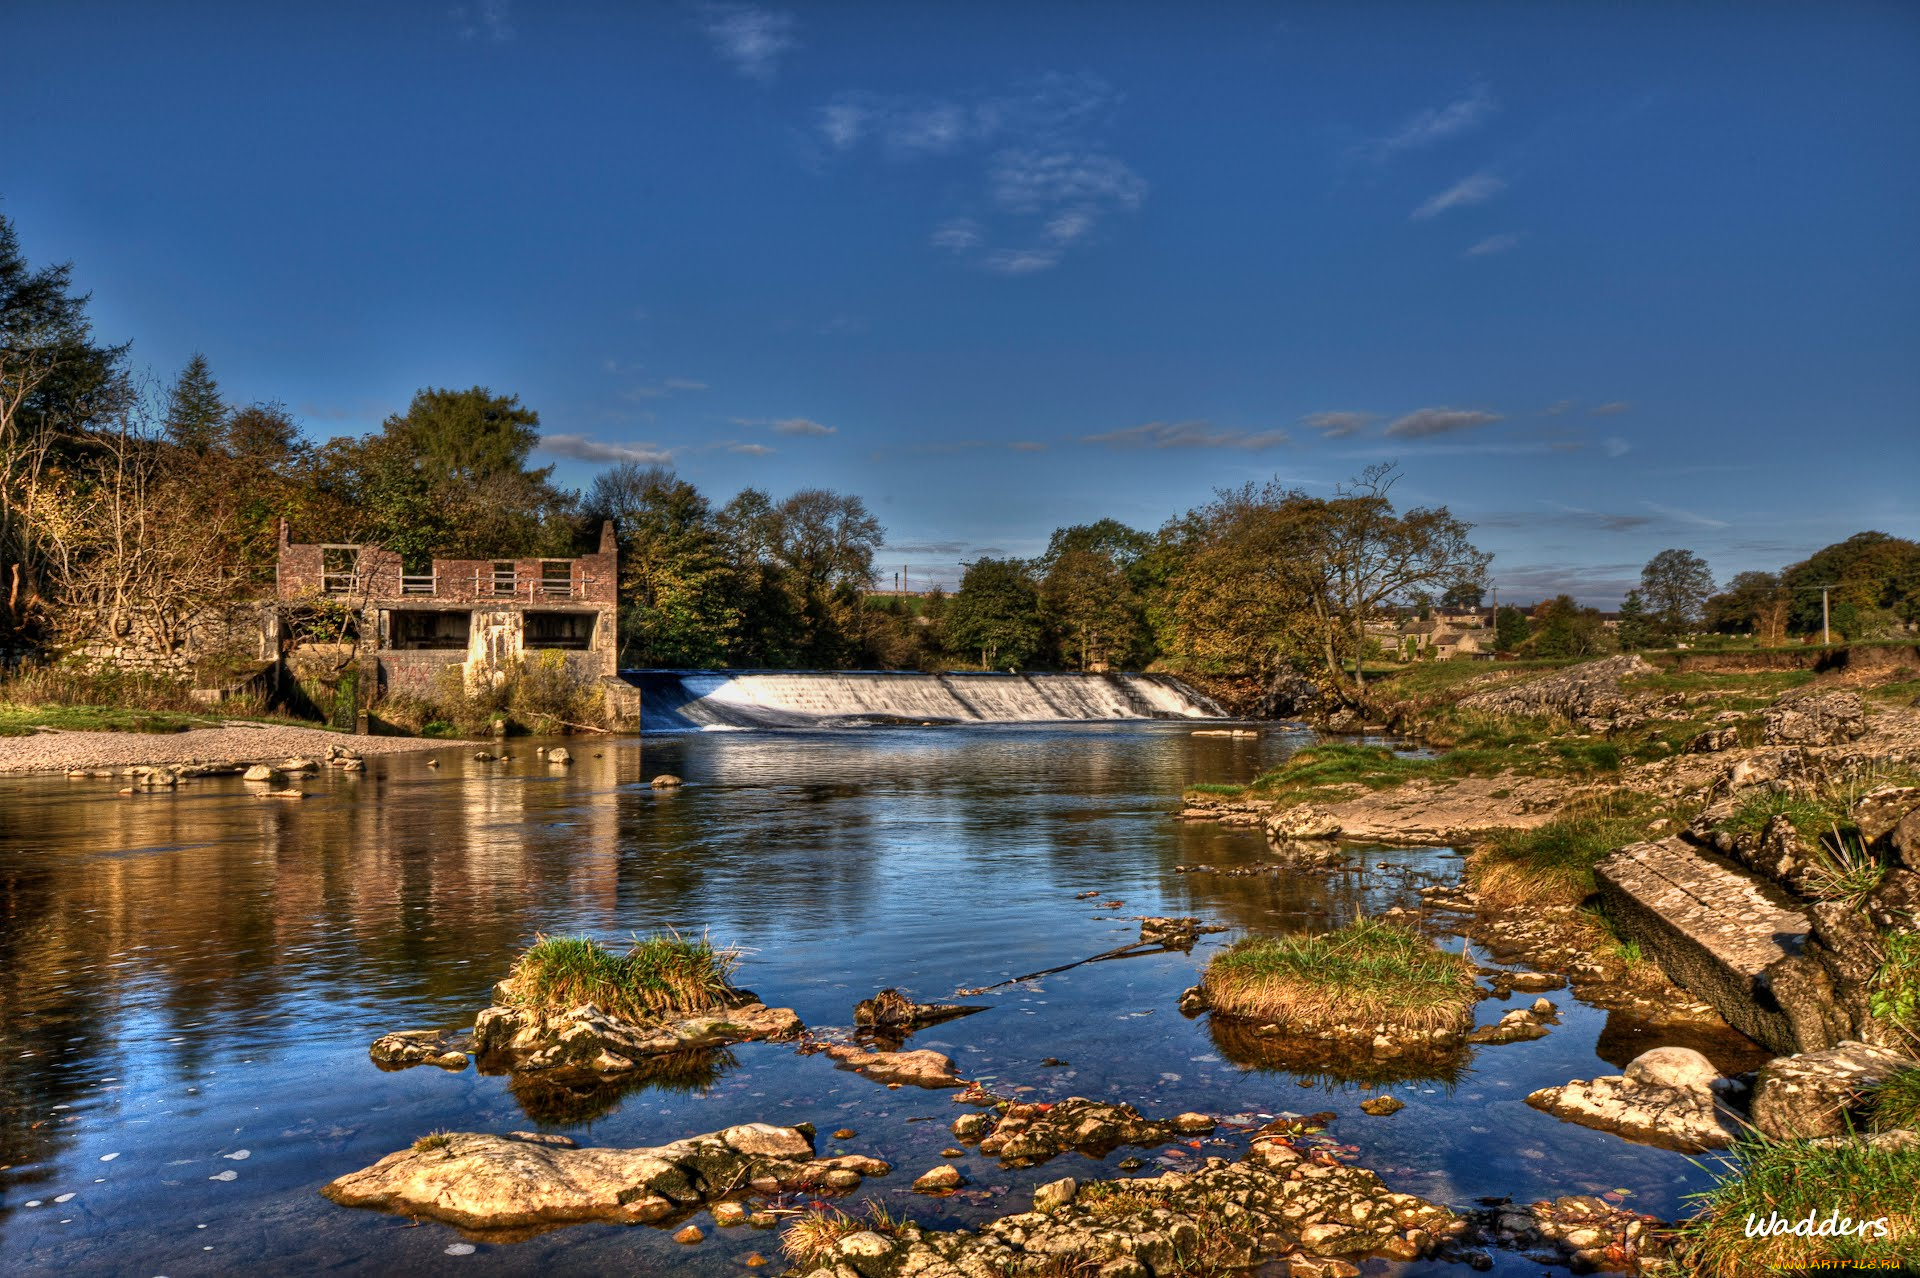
(1895, 995)
(809, 1241)
(433, 1140)
(1795, 1179)
(1896, 1105)
(1366, 973)
(662, 974)
(1551, 864)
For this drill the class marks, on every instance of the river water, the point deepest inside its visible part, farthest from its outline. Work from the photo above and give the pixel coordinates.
(189, 982)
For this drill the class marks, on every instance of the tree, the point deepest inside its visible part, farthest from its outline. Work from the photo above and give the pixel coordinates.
(1463, 596)
(1675, 585)
(1635, 632)
(1087, 598)
(996, 612)
(1875, 577)
(675, 583)
(196, 415)
(1510, 628)
(1562, 628)
(1374, 555)
(1752, 601)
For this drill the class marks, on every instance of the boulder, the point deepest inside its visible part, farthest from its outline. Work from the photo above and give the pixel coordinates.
(1819, 1093)
(1714, 740)
(1055, 1194)
(938, 1180)
(1880, 811)
(1303, 821)
(1518, 1026)
(587, 1040)
(1829, 718)
(1382, 1106)
(665, 781)
(1896, 902)
(527, 1181)
(918, 1068)
(1175, 934)
(1291, 695)
(259, 772)
(559, 754)
(1689, 1119)
(407, 1048)
(1678, 1068)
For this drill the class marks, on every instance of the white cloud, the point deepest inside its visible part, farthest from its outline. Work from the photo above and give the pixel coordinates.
(1691, 518)
(1477, 189)
(787, 425)
(1025, 181)
(958, 236)
(1027, 446)
(1495, 244)
(1337, 425)
(1438, 421)
(1436, 124)
(751, 450)
(1187, 434)
(1614, 446)
(489, 20)
(1020, 261)
(1065, 228)
(580, 448)
(750, 38)
(683, 384)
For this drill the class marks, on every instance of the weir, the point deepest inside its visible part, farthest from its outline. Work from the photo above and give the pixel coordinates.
(684, 700)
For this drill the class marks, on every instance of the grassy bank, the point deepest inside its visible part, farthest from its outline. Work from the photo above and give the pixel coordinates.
(662, 975)
(1791, 1180)
(1367, 973)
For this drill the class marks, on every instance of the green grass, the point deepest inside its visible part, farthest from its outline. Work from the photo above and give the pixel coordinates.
(1896, 1105)
(1215, 787)
(1895, 995)
(1552, 863)
(18, 720)
(1794, 1178)
(1845, 871)
(1812, 815)
(1366, 973)
(661, 975)
(433, 1140)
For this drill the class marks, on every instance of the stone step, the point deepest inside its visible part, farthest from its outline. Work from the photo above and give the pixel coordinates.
(1713, 928)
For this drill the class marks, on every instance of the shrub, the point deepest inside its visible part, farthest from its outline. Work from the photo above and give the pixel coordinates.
(1366, 973)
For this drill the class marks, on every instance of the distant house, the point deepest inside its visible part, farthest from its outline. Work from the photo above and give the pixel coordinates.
(478, 616)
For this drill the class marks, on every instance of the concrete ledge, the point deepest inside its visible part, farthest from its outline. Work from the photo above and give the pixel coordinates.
(1713, 928)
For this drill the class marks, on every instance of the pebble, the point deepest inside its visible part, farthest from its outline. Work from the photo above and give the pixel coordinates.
(845, 1133)
(753, 1260)
(689, 1236)
(239, 1155)
(225, 1175)
(460, 1249)
(107, 1158)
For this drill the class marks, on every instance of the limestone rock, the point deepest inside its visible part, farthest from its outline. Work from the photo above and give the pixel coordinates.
(1382, 1106)
(1816, 1093)
(892, 1010)
(1679, 1068)
(939, 1180)
(1055, 1194)
(1688, 1119)
(1029, 1134)
(1175, 933)
(584, 1039)
(1303, 821)
(522, 1180)
(259, 772)
(1714, 740)
(1588, 694)
(408, 1048)
(1518, 1026)
(1880, 811)
(1830, 718)
(921, 1068)
(665, 781)
(559, 754)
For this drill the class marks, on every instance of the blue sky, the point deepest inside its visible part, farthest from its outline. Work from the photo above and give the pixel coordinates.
(1603, 278)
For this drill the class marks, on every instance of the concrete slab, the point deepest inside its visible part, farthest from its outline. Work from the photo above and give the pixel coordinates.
(1713, 928)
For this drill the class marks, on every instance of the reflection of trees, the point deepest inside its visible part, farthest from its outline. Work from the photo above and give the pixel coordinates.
(560, 1098)
(1323, 1062)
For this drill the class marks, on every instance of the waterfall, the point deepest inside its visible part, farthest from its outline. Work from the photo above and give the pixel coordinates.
(680, 700)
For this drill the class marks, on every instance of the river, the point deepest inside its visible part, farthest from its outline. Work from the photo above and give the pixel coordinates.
(189, 982)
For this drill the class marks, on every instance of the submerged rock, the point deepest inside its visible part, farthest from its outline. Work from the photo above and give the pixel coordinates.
(1518, 1026)
(1381, 1106)
(1582, 1231)
(1175, 933)
(524, 1181)
(1030, 1134)
(1667, 1100)
(892, 1010)
(407, 1048)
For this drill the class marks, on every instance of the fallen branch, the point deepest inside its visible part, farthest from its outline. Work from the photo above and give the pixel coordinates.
(1134, 950)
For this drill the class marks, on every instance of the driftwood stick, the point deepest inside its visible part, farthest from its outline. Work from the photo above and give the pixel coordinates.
(1125, 951)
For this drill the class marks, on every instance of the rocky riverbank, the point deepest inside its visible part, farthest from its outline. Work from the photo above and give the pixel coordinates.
(209, 750)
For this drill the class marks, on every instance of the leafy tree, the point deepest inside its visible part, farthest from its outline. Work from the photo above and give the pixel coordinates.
(1087, 597)
(1872, 574)
(996, 612)
(1463, 596)
(1510, 628)
(1755, 601)
(196, 415)
(676, 586)
(1635, 632)
(1562, 628)
(1675, 585)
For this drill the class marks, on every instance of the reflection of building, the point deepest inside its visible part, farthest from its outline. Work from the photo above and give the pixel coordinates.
(477, 616)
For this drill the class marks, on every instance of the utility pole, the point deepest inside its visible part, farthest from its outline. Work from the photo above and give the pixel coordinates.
(1826, 628)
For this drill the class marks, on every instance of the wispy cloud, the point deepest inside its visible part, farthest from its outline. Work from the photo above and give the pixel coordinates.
(1614, 446)
(1048, 181)
(1027, 446)
(1558, 407)
(1564, 516)
(787, 425)
(1435, 124)
(683, 384)
(1339, 425)
(1493, 244)
(1187, 434)
(1475, 189)
(1691, 518)
(1424, 422)
(489, 20)
(580, 448)
(1611, 409)
(751, 450)
(752, 40)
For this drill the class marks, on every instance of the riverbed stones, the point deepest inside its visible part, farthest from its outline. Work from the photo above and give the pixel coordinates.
(921, 1068)
(1518, 1026)
(1029, 1134)
(943, 1179)
(407, 1048)
(1175, 933)
(1667, 1101)
(524, 1181)
(587, 1040)
(1233, 1215)
(1822, 1093)
(1581, 1231)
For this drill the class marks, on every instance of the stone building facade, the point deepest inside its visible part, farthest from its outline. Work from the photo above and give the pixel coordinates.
(478, 616)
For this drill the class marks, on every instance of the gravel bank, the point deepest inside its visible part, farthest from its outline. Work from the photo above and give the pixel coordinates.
(242, 743)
